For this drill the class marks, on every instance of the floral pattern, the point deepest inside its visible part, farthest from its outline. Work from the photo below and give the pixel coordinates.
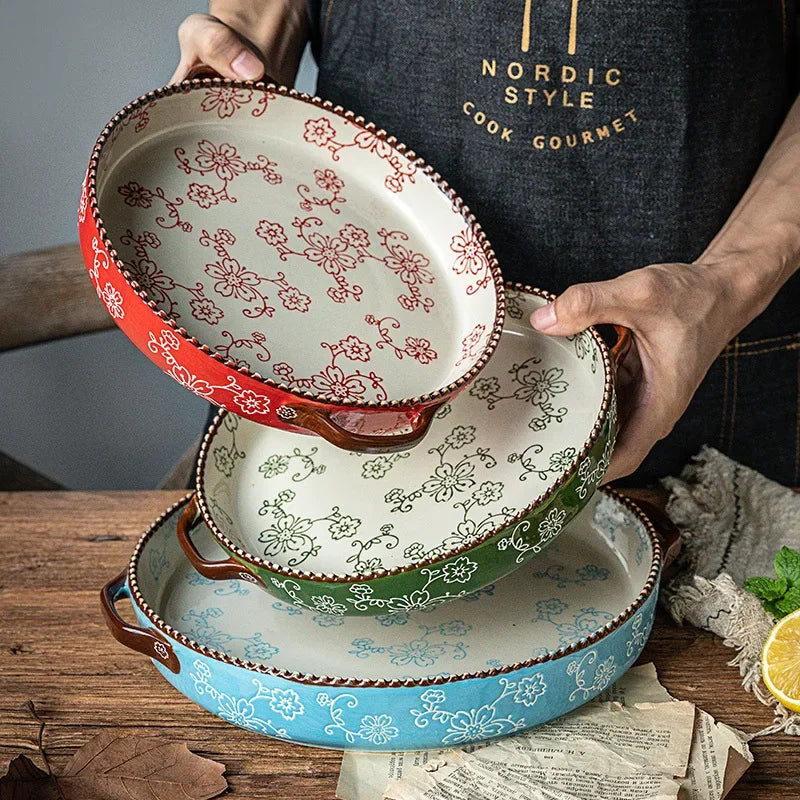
(406, 715)
(289, 535)
(218, 303)
(242, 711)
(321, 133)
(423, 651)
(167, 344)
(471, 259)
(475, 724)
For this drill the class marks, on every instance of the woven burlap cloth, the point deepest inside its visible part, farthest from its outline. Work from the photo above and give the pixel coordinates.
(733, 520)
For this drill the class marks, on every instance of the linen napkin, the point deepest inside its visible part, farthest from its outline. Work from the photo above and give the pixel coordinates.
(733, 520)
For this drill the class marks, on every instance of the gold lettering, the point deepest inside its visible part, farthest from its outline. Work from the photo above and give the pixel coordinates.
(530, 93)
(587, 137)
(613, 81)
(538, 142)
(467, 107)
(526, 28)
(617, 125)
(568, 74)
(489, 67)
(542, 73)
(591, 76)
(506, 134)
(572, 44)
(479, 117)
(549, 96)
(571, 139)
(492, 126)
(511, 95)
(602, 133)
(587, 99)
(514, 70)
(566, 102)
(630, 115)
(555, 142)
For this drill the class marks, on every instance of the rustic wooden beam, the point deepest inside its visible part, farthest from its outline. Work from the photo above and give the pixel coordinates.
(45, 295)
(18, 477)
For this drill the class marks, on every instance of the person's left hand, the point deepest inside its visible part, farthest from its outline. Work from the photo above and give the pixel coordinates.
(681, 316)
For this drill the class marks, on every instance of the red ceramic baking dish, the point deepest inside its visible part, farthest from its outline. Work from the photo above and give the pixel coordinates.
(287, 261)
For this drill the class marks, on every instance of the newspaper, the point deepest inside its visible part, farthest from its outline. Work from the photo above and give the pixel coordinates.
(634, 742)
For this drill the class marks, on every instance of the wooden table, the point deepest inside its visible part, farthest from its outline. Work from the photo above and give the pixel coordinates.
(58, 548)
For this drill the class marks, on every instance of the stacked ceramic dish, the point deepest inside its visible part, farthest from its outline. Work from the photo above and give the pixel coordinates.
(357, 586)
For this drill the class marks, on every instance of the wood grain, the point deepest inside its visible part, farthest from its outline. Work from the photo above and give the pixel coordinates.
(58, 548)
(46, 294)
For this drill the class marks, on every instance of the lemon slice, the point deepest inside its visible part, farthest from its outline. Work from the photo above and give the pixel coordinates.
(780, 661)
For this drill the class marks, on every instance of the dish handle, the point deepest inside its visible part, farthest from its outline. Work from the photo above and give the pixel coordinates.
(622, 346)
(143, 640)
(200, 71)
(319, 421)
(226, 570)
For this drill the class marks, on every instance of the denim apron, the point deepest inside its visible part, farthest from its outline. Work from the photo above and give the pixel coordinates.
(592, 137)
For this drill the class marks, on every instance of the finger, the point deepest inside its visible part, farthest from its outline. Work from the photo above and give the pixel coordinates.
(205, 40)
(645, 425)
(577, 308)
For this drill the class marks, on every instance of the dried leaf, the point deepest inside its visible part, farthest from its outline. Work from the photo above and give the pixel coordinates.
(25, 781)
(111, 767)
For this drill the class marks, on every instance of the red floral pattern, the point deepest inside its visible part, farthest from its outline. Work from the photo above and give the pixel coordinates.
(471, 259)
(419, 349)
(136, 195)
(472, 344)
(224, 101)
(327, 180)
(233, 286)
(332, 380)
(225, 162)
(321, 133)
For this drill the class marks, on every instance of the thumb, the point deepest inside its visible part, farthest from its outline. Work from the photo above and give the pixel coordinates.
(206, 40)
(577, 308)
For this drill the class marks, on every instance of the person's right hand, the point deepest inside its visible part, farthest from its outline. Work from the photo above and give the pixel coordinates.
(207, 40)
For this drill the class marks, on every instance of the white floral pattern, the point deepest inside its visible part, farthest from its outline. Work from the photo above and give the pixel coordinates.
(483, 722)
(242, 711)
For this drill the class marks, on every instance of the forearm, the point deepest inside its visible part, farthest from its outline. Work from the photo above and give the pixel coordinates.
(278, 29)
(758, 248)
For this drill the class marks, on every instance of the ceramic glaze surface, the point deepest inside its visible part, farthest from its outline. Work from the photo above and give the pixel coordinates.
(489, 453)
(296, 244)
(593, 597)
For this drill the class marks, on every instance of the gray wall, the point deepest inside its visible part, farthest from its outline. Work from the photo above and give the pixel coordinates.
(91, 412)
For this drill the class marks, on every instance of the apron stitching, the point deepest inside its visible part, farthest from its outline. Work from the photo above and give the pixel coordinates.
(780, 349)
(783, 23)
(797, 427)
(327, 20)
(753, 342)
(734, 392)
(724, 407)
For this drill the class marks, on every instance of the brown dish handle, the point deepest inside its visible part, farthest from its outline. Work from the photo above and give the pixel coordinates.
(226, 570)
(319, 421)
(143, 640)
(622, 346)
(200, 71)
(668, 532)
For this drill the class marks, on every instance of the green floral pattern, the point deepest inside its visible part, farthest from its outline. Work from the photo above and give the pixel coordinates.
(457, 495)
(290, 535)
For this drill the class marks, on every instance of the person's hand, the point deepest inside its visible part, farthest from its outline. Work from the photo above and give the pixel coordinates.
(681, 316)
(207, 40)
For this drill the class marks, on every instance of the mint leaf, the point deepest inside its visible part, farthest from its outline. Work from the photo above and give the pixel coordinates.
(789, 602)
(766, 588)
(787, 565)
(771, 608)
